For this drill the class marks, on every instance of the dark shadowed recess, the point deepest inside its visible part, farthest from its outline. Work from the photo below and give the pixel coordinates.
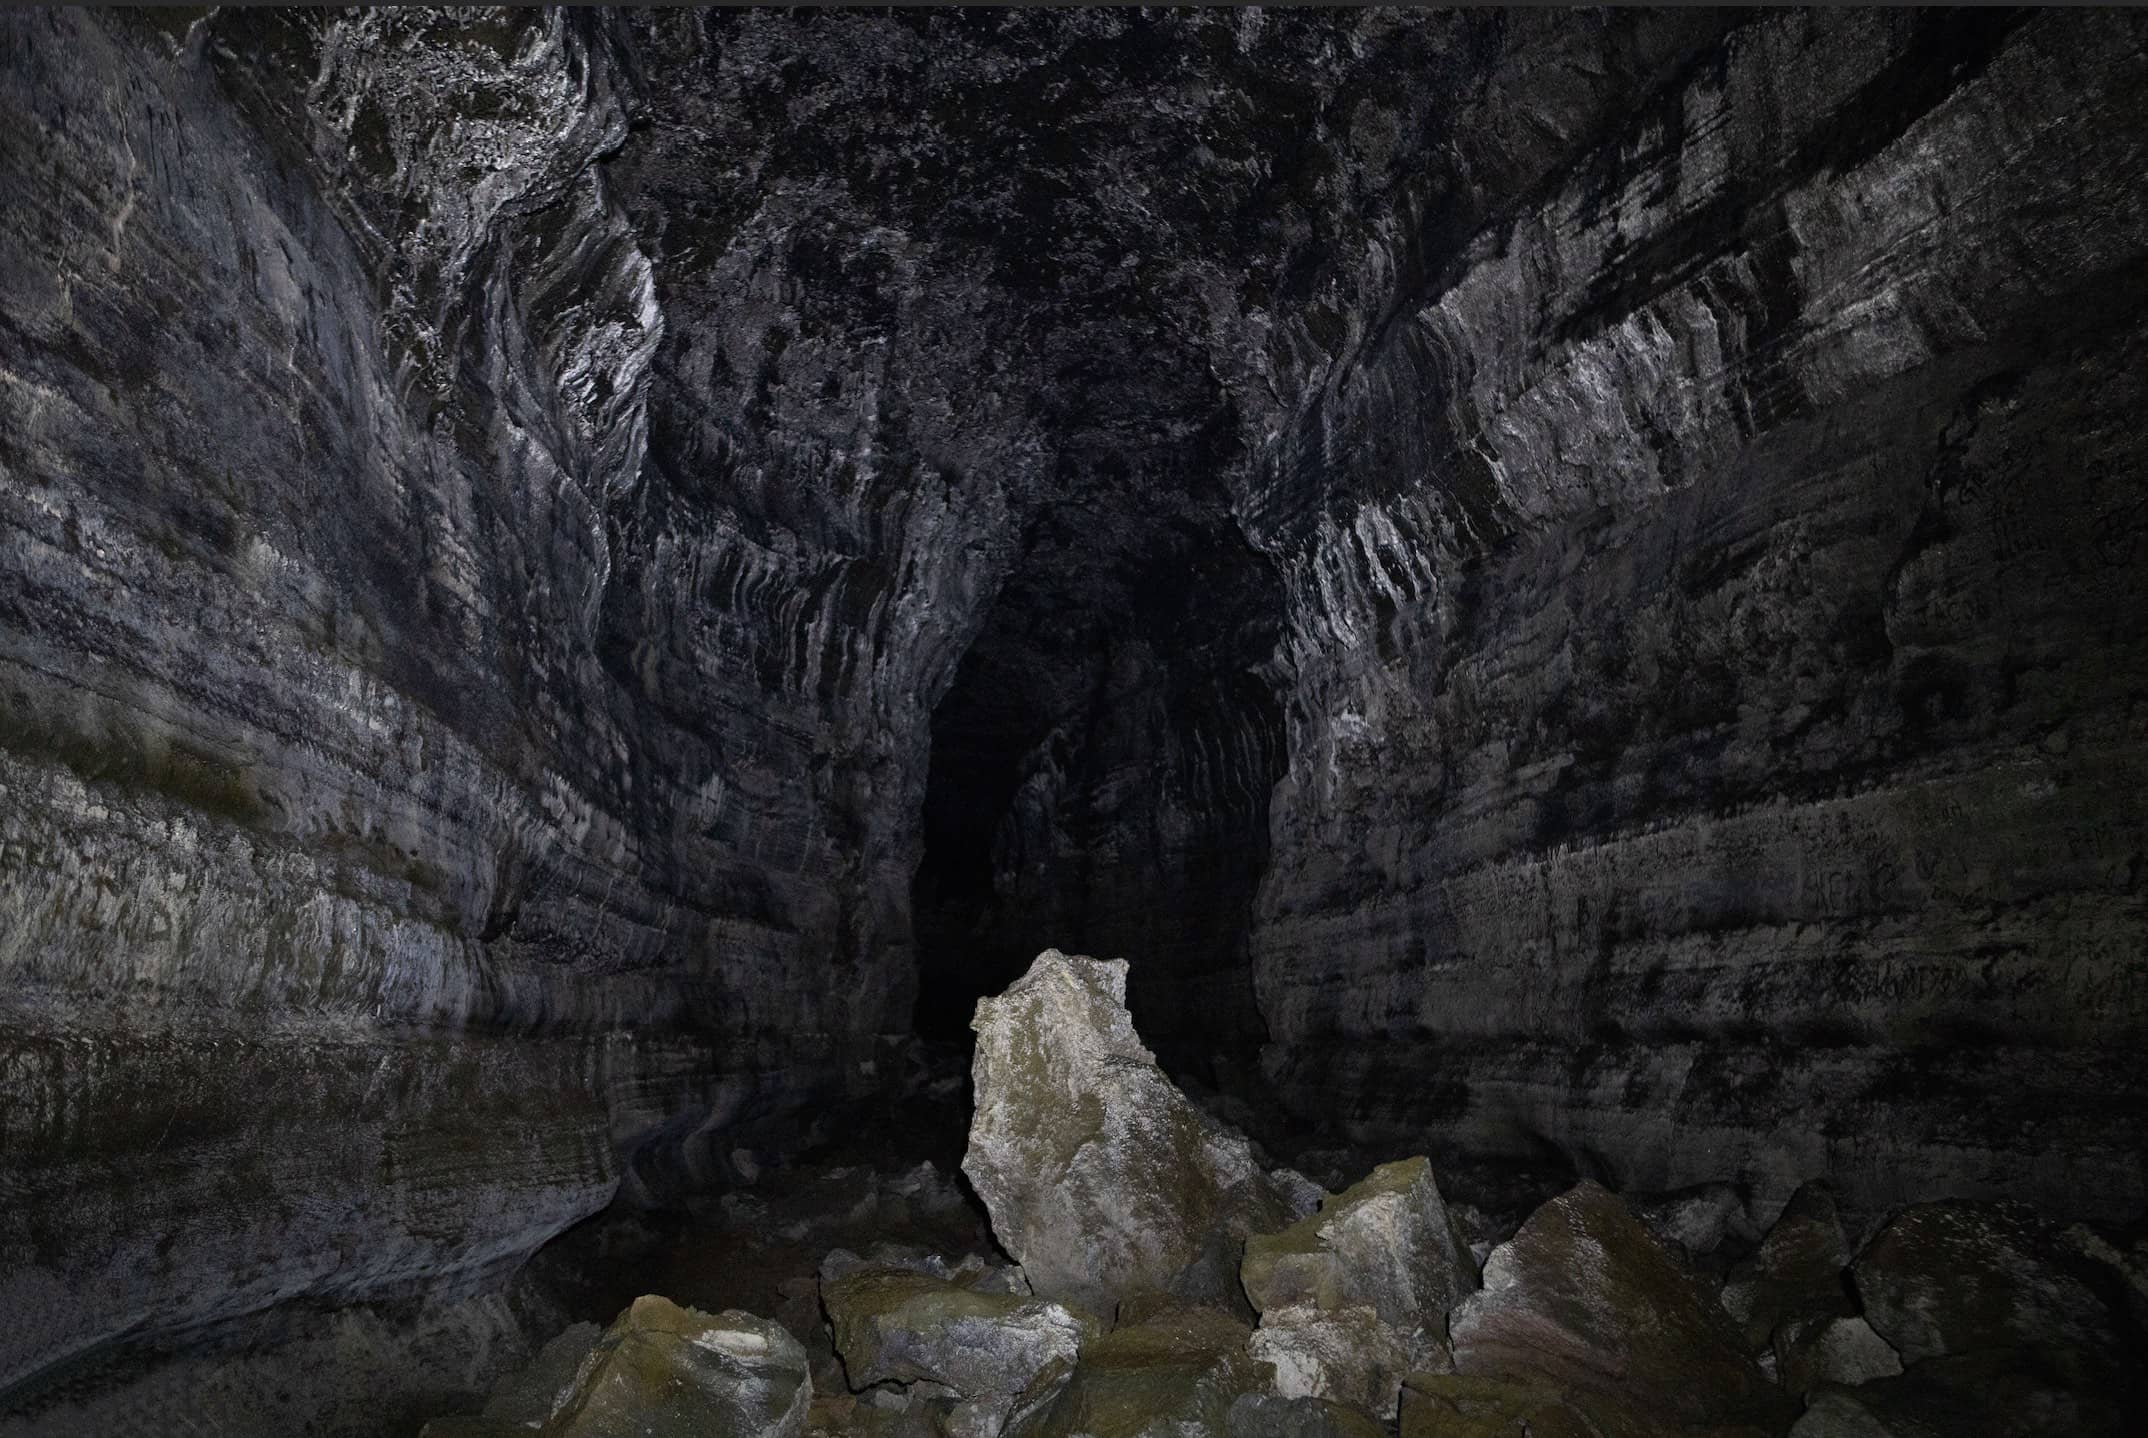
(1102, 762)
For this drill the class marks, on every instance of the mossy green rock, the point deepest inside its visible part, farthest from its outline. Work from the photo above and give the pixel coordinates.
(662, 1371)
(1586, 1299)
(898, 1325)
(1387, 1243)
(1178, 1372)
(1268, 1415)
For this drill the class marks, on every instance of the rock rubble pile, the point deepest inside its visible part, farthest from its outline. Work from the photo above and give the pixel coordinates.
(1168, 1282)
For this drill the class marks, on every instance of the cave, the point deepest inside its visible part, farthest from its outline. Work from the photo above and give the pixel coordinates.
(584, 592)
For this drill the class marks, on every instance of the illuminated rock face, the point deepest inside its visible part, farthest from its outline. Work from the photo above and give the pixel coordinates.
(1564, 586)
(1103, 1181)
(1725, 768)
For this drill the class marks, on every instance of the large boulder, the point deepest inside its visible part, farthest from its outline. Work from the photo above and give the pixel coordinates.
(1387, 1243)
(896, 1325)
(662, 1371)
(1101, 1178)
(1963, 1277)
(1587, 1300)
(1176, 1373)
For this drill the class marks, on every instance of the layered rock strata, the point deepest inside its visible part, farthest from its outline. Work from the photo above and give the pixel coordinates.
(1715, 668)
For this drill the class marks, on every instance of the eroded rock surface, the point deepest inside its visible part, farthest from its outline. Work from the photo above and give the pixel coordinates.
(1349, 1355)
(1584, 1298)
(1575, 574)
(662, 1371)
(1799, 1274)
(897, 1325)
(1102, 1180)
(1965, 1278)
(1387, 1243)
(1174, 1373)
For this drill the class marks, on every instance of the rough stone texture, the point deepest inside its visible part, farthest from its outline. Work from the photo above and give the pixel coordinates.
(1102, 1180)
(662, 1371)
(1173, 1374)
(1715, 678)
(1455, 1406)
(1386, 1242)
(1810, 1352)
(1350, 1355)
(1797, 1275)
(1266, 1415)
(523, 535)
(1970, 1278)
(1982, 1396)
(895, 1325)
(353, 1372)
(1585, 1298)
(1699, 1221)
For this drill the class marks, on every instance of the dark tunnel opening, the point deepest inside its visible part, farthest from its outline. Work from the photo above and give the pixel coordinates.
(1100, 770)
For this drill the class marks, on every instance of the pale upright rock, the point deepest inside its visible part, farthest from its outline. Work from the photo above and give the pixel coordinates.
(662, 1371)
(1387, 1243)
(1102, 1179)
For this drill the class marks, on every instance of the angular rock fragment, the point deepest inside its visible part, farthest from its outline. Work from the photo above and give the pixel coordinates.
(1102, 1180)
(662, 1371)
(896, 1325)
(1387, 1243)
(1994, 1395)
(526, 1399)
(1963, 1277)
(1585, 1298)
(1699, 1221)
(1269, 1415)
(1348, 1355)
(1831, 1350)
(1797, 1272)
(1175, 1374)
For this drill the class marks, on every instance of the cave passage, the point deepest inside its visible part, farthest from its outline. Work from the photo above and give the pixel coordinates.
(1101, 763)
(1563, 586)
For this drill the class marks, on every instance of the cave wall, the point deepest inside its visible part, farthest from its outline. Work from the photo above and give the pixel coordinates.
(1574, 572)
(1715, 644)
(418, 808)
